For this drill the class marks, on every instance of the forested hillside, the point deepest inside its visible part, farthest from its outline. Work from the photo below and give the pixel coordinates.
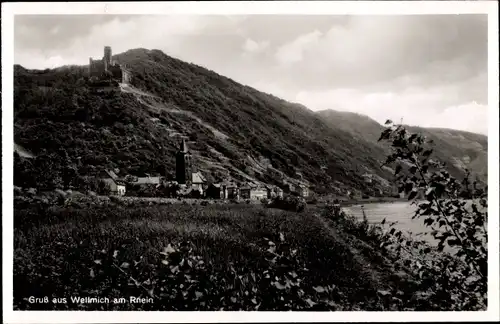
(460, 150)
(233, 130)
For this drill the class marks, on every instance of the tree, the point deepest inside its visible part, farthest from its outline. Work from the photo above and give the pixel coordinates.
(456, 223)
(103, 188)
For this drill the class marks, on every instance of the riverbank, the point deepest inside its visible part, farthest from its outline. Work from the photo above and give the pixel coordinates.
(345, 202)
(351, 202)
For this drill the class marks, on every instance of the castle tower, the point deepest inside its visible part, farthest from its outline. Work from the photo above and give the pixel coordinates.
(107, 57)
(183, 167)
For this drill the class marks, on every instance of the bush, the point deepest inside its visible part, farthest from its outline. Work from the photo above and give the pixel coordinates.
(291, 203)
(312, 201)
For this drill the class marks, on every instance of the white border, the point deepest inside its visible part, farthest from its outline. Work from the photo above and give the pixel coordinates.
(228, 8)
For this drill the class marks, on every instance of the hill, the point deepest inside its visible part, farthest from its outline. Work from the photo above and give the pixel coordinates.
(234, 131)
(459, 149)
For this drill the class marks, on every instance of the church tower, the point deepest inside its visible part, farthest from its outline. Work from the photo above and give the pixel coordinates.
(107, 57)
(183, 167)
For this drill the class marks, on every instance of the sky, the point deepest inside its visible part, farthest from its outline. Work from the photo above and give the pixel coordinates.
(428, 70)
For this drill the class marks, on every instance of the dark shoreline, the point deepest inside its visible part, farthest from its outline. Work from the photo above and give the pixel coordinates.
(352, 202)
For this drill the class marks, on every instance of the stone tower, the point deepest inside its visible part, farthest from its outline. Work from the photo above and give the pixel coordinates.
(183, 167)
(107, 57)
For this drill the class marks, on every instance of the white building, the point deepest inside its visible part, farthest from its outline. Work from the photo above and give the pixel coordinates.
(116, 186)
(198, 181)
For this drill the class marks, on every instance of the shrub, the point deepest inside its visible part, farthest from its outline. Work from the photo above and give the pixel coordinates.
(291, 203)
(455, 278)
(103, 188)
(312, 201)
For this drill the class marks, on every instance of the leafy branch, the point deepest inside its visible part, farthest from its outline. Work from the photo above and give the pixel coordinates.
(455, 213)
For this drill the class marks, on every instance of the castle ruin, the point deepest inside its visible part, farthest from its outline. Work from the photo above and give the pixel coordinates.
(107, 68)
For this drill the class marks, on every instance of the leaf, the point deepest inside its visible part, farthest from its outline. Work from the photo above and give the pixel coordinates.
(125, 265)
(271, 243)
(310, 302)
(282, 237)
(383, 221)
(428, 221)
(115, 254)
(279, 285)
(233, 300)
(388, 122)
(165, 262)
(383, 293)
(167, 250)
(319, 289)
(198, 294)
(97, 261)
(92, 274)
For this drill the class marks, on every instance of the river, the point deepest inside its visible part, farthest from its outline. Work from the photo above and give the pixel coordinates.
(400, 212)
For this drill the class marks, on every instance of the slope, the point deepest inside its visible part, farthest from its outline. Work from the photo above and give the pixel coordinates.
(459, 149)
(235, 131)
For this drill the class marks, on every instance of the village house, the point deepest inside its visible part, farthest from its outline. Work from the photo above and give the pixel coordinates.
(198, 182)
(288, 187)
(230, 190)
(253, 192)
(302, 191)
(147, 181)
(116, 185)
(273, 192)
(368, 178)
(214, 191)
(224, 190)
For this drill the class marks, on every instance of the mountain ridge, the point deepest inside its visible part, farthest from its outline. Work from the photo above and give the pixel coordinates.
(235, 131)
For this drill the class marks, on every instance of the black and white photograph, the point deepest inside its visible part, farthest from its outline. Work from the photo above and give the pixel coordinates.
(312, 163)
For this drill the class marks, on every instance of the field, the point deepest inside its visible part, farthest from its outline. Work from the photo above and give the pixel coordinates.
(182, 257)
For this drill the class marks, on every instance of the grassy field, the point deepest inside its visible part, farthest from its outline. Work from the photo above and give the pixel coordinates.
(182, 257)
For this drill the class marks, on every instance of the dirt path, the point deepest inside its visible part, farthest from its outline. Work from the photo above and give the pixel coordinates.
(158, 106)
